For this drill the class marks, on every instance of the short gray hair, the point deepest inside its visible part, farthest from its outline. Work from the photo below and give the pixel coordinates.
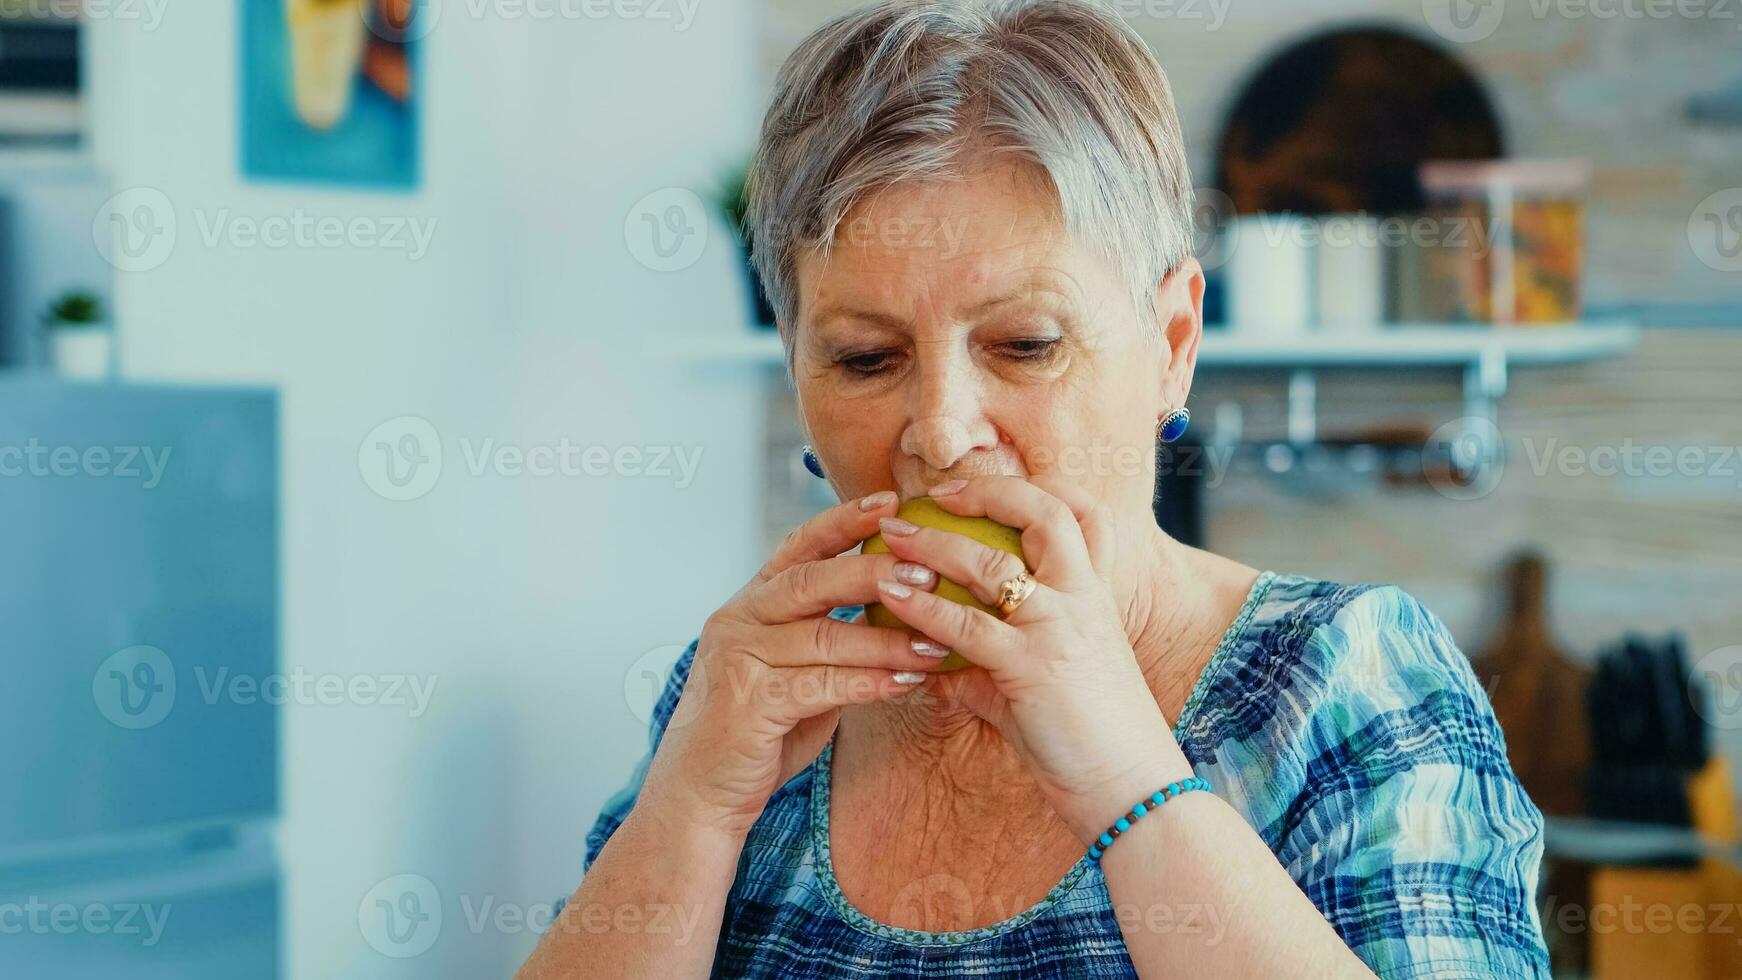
(915, 89)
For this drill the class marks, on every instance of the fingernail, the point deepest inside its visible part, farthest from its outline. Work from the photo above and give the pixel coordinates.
(914, 574)
(945, 489)
(882, 498)
(909, 677)
(895, 590)
(927, 648)
(896, 526)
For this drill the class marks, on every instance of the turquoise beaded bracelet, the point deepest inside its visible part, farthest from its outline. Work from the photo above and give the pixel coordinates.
(1156, 799)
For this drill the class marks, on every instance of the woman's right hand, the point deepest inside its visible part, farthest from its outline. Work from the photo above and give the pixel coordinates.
(772, 671)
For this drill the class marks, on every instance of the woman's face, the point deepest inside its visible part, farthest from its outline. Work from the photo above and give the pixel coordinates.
(954, 331)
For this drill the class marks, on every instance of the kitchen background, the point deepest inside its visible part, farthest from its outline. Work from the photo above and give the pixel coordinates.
(334, 683)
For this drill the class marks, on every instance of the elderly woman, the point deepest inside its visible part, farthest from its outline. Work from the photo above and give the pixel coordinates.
(972, 220)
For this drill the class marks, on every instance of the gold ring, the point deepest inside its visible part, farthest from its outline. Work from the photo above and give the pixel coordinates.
(1013, 591)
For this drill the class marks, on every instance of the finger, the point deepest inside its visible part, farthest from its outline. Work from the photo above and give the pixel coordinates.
(797, 693)
(834, 531)
(979, 568)
(813, 588)
(1051, 540)
(1092, 515)
(823, 641)
(979, 637)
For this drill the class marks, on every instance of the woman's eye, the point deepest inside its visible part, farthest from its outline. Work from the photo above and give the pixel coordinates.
(870, 362)
(1030, 349)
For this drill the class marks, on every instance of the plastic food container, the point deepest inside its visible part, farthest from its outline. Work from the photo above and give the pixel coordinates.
(1507, 240)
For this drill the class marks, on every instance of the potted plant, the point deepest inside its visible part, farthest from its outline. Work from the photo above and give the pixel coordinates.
(731, 202)
(80, 342)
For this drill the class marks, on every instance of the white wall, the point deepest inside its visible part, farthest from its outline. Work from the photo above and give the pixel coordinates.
(526, 598)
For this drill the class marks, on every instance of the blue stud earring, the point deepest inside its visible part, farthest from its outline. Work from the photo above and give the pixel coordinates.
(812, 463)
(1173, 425)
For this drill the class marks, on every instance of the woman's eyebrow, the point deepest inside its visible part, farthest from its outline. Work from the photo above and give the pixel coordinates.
(1044, 289)
(847, 312)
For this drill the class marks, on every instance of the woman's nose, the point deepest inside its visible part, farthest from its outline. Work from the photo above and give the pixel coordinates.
(939, 440)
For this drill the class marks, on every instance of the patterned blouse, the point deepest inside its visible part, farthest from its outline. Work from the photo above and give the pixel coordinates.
(1344, 725)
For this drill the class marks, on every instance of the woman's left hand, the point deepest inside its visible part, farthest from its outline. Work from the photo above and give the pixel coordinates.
(1057, 678)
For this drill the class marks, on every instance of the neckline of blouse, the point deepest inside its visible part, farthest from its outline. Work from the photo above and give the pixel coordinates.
(819, 813)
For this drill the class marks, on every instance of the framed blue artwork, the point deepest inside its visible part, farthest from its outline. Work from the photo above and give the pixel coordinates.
(329, 91)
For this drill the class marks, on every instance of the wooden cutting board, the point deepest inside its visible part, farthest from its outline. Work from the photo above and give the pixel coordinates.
(1538, 695)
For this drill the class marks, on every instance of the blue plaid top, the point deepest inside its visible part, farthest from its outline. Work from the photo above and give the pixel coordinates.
(1344, 725)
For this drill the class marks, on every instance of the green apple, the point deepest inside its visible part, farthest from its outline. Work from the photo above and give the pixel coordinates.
(925, 512)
